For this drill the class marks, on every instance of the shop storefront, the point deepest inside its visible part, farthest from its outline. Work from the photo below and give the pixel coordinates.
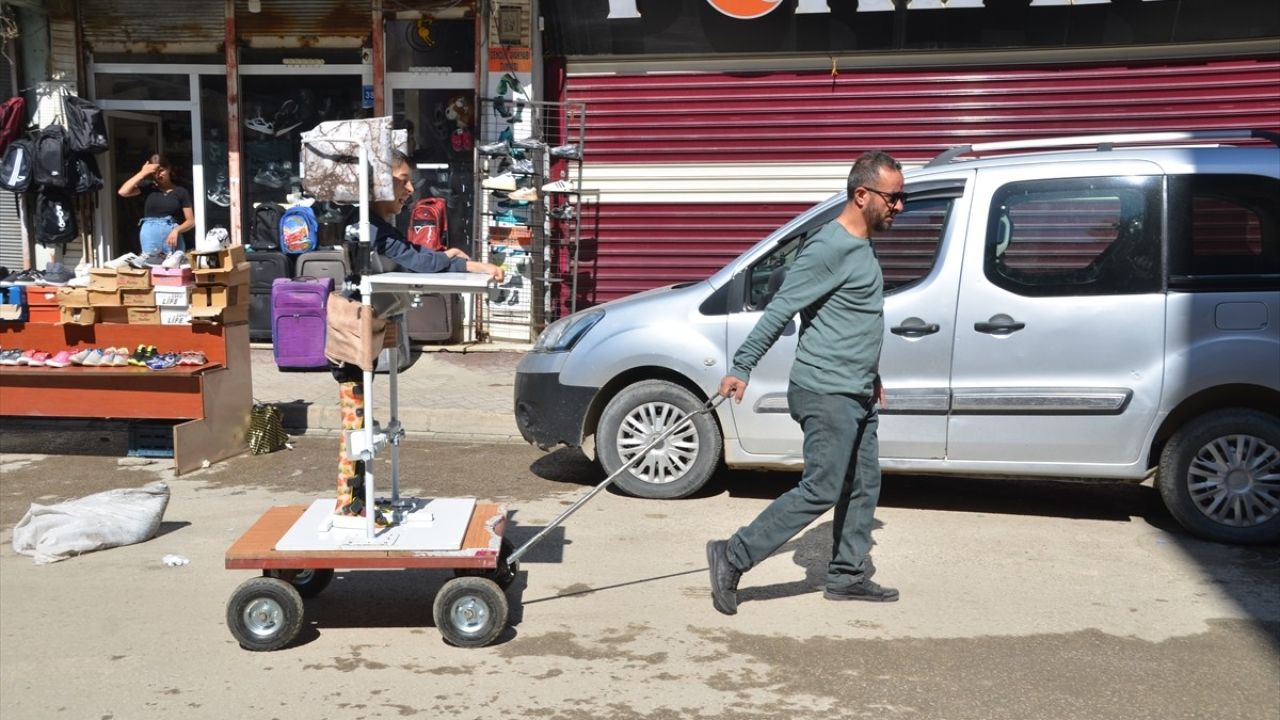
(710, 122)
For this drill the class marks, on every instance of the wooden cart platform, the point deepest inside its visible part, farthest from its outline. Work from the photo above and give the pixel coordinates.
(255, 549)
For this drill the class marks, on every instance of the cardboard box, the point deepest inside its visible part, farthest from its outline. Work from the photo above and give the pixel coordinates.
(115, 315)
(51, 314)
(223, 260)
(103, 279)
(76, 297)
(173, 296)
(175, 315)
(220, 315)
(138, 298)
(219, 296)
(132, 278)
(42, 295)
(168, 277)
(143, 315)
(104, 298)
(78, 315)
(238, 275)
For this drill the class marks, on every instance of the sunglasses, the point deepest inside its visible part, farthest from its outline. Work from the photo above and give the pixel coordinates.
(890, 198)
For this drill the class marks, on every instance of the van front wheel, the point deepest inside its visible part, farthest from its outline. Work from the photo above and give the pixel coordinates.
(679, 465)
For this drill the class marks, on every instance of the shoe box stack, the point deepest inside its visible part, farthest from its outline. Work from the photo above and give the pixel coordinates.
(221, 292)
(114, 295)
(173, 288)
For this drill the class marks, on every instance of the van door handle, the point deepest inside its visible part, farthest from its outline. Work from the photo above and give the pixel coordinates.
(999, 325)
(914, 327)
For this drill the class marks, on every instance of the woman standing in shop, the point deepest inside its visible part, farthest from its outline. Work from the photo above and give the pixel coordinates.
(166, 211)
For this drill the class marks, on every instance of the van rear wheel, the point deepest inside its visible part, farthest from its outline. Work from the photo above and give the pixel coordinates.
(678, 466)
(1220, 476)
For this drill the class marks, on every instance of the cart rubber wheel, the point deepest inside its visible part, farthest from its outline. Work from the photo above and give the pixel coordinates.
(470, 611)
(504, 574)
(264, 614)
(308, 583)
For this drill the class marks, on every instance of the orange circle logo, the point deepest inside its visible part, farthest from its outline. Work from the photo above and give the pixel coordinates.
(745, 9)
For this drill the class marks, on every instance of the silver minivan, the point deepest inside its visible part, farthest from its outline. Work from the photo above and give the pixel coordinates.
(1100, 312)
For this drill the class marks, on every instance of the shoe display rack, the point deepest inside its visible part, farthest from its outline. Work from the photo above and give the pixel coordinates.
(208, 402)
(529, 186)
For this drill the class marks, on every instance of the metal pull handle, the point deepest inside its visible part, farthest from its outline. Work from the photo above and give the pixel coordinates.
(915, 327)
(711, 404)
(999, 325)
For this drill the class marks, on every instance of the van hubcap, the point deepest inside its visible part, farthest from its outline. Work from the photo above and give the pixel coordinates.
(667, 461)
(1235, 480)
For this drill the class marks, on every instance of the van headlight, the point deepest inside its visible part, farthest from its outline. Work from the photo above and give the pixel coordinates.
(564, 333)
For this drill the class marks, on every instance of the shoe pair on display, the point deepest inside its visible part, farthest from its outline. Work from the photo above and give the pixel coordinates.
(568, 151)
(175, 259)
(55, 273)
(220, 195)
(564, 212)
(153, 259)
(505, 182)
(518, 167)
(24, 277)
(276, 175)
(285, 120)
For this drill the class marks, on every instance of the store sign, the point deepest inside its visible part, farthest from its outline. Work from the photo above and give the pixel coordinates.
(750, 9)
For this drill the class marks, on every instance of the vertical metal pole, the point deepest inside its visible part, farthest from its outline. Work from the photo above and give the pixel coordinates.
(394, 355)
(366, 298)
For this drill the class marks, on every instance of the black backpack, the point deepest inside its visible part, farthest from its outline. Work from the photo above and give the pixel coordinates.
(86, 126)
(264, 231)
(55, 218)
(87, 178)
(50, 164)
(15, 168)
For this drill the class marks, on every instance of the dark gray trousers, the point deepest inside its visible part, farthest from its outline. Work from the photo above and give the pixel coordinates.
(841, 470)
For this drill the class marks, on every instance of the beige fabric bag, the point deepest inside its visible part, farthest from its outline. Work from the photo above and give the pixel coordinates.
(330, 167)
(355, 333)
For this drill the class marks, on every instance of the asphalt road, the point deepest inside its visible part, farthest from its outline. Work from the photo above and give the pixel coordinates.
(1019, 600)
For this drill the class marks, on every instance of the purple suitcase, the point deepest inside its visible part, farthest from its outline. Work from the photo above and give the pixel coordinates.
(298, 321)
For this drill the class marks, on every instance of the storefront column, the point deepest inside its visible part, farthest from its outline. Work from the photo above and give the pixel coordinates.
(236, 231)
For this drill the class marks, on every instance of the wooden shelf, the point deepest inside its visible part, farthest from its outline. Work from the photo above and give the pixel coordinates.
(212, 400)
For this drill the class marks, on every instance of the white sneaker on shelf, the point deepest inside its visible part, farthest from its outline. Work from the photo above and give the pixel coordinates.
(213, 241)
(524, 193)
(121, 261)
(561, 186)
(177, 258)
(505, 181)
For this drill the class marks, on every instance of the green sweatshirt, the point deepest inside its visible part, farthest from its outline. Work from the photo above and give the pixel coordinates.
(836, 286)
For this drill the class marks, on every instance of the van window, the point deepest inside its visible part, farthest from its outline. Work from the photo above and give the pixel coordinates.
(1082, 236)
(907, 251)
(1224, 229)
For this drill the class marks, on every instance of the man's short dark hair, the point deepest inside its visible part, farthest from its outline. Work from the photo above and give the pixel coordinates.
(398, 158)
(866, 169)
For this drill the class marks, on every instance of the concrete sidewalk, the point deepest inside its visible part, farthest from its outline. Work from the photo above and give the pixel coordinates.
(459, 392)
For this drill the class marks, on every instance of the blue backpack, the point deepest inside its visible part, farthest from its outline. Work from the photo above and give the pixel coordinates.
(298, 230)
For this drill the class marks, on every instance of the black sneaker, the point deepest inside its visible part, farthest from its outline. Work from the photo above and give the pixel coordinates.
(155, 258)
(865, 590)
(564, 212)
(56, 273)
(724, 577)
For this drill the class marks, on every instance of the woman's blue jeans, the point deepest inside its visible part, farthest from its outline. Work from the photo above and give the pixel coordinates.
(153, 234)
(841, 470)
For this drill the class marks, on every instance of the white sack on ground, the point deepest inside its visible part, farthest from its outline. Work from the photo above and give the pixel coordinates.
(50, 533)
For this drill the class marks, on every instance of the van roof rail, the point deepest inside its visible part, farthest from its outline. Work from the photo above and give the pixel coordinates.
(1103, 142)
